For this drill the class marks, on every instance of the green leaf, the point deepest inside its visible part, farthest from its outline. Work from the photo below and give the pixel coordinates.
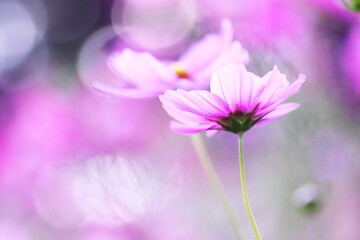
(353, 5)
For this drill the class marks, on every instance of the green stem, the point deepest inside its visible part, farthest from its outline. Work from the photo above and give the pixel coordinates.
(244, 189)
(215, 183)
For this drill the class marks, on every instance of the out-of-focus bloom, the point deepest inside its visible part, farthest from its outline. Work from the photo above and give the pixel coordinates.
(238, 100)
(148, 77)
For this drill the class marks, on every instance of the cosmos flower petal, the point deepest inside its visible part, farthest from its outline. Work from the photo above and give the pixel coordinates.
(283, 94)
(281, 110)
(179, 115)
(124, 92)
(233, 53)
(256, 86)
(126, 63)
(190, 128)
(206, 98)
(139, 68)
(238, 54)
(231, 84)
(207, 49)
(250, 87)
(294, 87)
(160, 69)
(143, 76)
(199, 102)
(275, 83)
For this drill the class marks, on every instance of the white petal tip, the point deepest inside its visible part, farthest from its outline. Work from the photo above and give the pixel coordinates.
(302, 77)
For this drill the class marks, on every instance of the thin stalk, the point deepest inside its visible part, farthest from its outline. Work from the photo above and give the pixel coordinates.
(215, 183)
(244, 189)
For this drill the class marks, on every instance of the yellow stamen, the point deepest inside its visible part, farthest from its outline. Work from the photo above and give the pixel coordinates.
(181, 72)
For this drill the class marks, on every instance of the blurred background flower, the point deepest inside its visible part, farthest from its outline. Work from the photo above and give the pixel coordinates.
(76, 164)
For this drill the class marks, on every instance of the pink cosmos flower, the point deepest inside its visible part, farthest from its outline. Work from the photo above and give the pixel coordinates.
(238, 100)
(145, 76)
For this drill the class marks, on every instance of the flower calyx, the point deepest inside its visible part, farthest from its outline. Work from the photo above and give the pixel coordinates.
(238, 123)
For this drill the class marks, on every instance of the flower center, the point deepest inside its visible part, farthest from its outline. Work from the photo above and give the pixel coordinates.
(180, 71)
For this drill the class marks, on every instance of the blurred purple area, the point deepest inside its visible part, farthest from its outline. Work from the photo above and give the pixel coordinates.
(81, 165)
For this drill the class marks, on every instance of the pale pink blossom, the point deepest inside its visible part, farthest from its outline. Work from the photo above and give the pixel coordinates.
(237, 101)
(146, 76)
